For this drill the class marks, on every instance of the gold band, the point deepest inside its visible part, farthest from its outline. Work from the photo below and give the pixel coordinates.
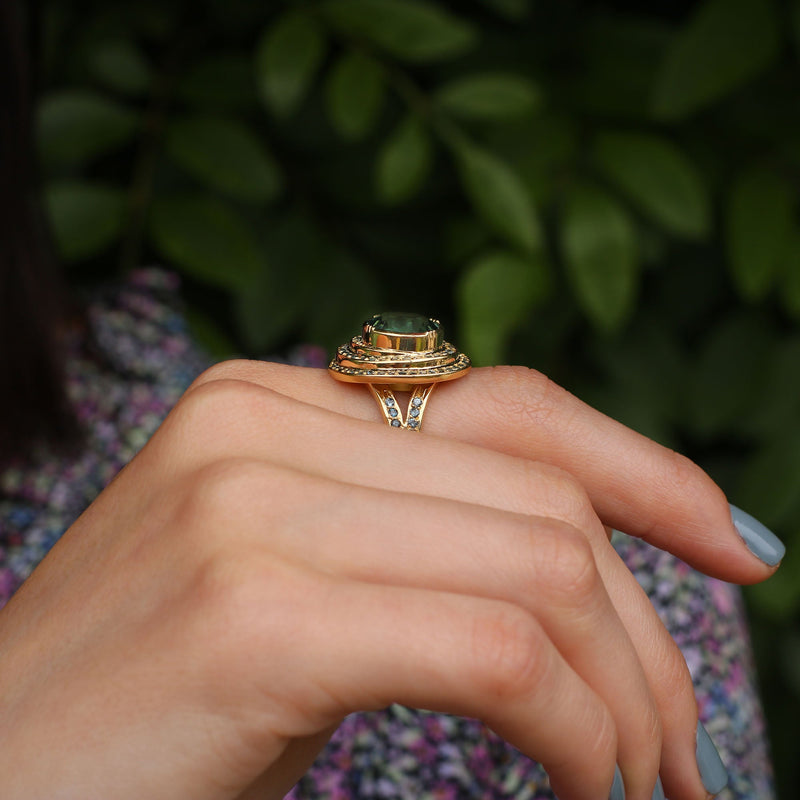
(399, 353)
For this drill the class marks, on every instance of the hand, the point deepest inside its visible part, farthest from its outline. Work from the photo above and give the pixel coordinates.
(271, 562)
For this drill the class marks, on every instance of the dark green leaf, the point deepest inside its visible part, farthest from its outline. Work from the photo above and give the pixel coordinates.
(758, 224)
(600, 256)
(75, 126)
(658, 177)
(790, 275)
(355, 91)
(206, 239)
(226, 155)
(489, 95)
(540, 149)
(496, 292)
(464, 236)
(220, 82)
(769, 486)
(409, 30)
(498, 196)
(727, 374)
(86, 217)
(278, 297)
(287, 59)
(776, 405)
(347, 292)
(403, 162)
(510, 9)
(620, 56)
(725, 44)
(120, 65)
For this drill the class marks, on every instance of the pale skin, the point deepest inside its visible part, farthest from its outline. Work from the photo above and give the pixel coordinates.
(276, 558)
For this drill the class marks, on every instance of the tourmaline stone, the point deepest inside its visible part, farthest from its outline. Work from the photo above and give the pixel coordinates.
(402, 322)
(397, 330)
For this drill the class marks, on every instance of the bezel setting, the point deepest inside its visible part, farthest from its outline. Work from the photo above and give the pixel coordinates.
(401, 350)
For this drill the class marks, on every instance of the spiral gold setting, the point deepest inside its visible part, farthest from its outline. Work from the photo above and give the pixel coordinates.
(399, 352)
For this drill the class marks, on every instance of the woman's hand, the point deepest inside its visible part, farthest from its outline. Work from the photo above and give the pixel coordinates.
(275, 558)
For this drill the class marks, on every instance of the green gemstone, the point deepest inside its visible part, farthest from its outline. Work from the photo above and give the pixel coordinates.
(402, 322)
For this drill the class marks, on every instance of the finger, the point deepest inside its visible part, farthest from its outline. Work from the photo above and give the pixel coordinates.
(367, 646)
(635, 484)
(416, 465)
(544, 565)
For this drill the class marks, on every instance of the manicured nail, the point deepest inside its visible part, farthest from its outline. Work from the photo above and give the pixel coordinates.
(618, 787)
(658, 792)
(761, 541)
(712, 770)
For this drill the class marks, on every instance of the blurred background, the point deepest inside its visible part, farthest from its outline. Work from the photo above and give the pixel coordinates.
(606, 191)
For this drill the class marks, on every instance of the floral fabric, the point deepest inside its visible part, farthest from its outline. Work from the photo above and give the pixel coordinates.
(122, 385)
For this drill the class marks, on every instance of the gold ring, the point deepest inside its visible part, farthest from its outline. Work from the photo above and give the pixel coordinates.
(399, 352)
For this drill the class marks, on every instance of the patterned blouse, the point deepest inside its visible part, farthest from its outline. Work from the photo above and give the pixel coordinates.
(140, 360)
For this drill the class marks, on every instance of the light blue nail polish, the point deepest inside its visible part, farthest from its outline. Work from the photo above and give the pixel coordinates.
(761, 541)
(618, 787)
(658, 792)
(712, 770)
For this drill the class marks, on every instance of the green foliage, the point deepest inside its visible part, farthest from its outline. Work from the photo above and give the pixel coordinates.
(496, 293)
(600, 257)
(608, 195)
(78, 125)
(287, 59)
(759, 220)
(225, 155)
(724, 45)
(409, 30)
(489, 95)
(86, 217)
(403, 162)
(355, 93)
(659, 179)
(498, 196)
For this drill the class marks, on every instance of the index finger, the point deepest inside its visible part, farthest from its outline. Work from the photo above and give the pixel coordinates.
(635, 484)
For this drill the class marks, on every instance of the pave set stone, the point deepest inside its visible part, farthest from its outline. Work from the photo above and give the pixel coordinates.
(414, 412)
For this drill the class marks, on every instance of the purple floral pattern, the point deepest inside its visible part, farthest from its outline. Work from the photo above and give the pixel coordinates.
(141, 360)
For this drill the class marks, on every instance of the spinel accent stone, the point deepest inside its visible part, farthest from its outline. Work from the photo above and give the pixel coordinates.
(395, 423)
(393, 412)
(414, 412)
(416, 402)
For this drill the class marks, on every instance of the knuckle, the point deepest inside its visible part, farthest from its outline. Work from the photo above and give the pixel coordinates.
(233, 369)
(603, 742)
(563, 495)
(571, 577)
(675, 680)
(225, 485)
(509, 656)
(227, 596)
(207, 406)
(521, 395)
(652, 734)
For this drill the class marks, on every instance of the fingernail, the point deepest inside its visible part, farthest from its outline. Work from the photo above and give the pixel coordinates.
(712, 770)
(618, 787)
(761, 541)
(658, 792)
